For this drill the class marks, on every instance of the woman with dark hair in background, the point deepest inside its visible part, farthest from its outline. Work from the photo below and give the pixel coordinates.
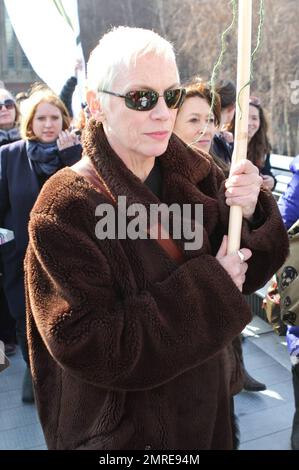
(259, 147)
(197, 125)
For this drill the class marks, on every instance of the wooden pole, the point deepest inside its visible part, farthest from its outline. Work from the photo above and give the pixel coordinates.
(241, 128)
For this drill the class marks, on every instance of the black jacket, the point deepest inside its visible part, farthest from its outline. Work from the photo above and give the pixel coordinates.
(67, 92)
(19, 189)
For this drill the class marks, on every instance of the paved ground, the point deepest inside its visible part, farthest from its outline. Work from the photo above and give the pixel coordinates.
(19, 425)
(265, 418)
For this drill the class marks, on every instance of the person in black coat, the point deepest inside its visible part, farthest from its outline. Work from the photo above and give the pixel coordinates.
(9, 132)
(66, 94)
(26, 165)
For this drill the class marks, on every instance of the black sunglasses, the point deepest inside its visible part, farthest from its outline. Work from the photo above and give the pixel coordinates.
(145, 100)
(9, 104)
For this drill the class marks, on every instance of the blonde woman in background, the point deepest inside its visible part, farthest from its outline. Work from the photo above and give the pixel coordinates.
(46, 147)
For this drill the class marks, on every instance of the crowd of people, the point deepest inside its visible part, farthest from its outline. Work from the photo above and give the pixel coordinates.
(33, 151)
(134, 343)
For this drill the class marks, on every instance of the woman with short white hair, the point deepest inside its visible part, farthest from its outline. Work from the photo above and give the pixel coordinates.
(130, 323)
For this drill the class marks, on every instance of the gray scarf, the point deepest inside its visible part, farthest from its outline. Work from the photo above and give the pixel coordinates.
(9, 135)
(45, 158)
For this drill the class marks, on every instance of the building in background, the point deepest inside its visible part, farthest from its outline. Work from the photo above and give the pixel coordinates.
(16, 72)
(195, 28)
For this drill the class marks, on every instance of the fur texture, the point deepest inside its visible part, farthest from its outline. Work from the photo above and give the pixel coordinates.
(129, 350)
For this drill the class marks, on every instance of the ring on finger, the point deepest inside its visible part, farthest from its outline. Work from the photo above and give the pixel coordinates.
(241, 256)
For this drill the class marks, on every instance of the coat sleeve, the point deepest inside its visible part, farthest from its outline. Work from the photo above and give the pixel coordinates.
(129, 342)
(71, 155)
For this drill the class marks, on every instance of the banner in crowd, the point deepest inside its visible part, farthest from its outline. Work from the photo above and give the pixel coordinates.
(49, 33)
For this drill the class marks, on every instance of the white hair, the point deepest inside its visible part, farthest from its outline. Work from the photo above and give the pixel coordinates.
(118, 50)
(4, 92)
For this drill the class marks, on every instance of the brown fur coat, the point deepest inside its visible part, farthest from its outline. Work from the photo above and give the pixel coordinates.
(129, 350)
